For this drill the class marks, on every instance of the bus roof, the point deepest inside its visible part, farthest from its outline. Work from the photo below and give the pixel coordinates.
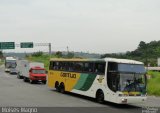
(10, 58)
(98, 60)
(77, 59)
(123, 61)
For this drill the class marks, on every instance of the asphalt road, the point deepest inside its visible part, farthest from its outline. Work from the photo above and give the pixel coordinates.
(16, 93)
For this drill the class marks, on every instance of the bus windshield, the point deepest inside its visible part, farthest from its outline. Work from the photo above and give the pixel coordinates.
(126, 77)
(10, 65)
(132, 82)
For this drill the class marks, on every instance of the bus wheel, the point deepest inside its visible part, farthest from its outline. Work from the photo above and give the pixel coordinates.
(62, 88)
(100, 96)
(57, 86)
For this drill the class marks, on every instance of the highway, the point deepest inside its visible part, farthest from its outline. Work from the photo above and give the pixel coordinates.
(16, 93)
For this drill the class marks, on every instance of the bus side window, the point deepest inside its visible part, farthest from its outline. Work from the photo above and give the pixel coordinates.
(70, 66)
(112, 66)
(61, 66)
(55, 65)
(88, 67)
(78, 66)
(99, 68)
(66, 66)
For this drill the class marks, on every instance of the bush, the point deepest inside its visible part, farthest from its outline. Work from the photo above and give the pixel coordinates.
(37, 54)
(153, 85)
(59, 54)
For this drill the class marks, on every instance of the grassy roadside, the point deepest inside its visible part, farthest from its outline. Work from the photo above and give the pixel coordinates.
(1, 62)
(153, 85)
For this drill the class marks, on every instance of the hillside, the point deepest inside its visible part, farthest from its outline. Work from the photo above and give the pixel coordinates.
(145, 52)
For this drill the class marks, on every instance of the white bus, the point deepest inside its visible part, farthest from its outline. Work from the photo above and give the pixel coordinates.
(10, 65)
(115, 80)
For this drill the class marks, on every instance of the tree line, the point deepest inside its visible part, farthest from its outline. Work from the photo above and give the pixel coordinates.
(145, 52)
(58, 54)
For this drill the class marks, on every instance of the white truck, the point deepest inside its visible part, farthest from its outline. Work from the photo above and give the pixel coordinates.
(20, 68)
(31, 71)
(10, 65)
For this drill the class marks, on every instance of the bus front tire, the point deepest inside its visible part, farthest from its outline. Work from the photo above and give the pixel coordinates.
(100, 96)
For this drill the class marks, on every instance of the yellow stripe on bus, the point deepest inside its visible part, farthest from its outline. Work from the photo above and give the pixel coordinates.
(68, 78)
(131, 93)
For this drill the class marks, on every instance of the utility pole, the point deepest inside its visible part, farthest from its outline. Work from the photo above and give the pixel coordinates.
(49, 45)
(67, 49)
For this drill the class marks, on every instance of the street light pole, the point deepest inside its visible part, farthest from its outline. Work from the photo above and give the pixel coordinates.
(49, 45)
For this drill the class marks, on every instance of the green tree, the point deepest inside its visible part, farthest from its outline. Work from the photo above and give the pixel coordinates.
(37, 54)
(70, 55)
(59, 54)
(142, 45)
(145, 52)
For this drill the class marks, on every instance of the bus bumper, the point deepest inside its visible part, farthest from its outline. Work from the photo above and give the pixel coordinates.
(131, 100)
(7, 70)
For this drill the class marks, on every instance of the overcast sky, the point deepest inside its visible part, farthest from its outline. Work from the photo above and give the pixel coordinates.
(97, 26)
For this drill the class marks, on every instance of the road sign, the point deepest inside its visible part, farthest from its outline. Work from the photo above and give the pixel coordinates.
(7, 45)
(26, 45)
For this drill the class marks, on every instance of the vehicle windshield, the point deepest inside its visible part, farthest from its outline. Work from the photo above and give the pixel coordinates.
(11, 65)
(38, 71)
(130, 82)
(126, 77)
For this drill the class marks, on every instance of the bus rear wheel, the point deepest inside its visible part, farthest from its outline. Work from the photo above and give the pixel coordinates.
(100, 96)
(62, 88)
(57, 86)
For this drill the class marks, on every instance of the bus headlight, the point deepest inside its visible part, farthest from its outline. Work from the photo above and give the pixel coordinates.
(124, 100)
